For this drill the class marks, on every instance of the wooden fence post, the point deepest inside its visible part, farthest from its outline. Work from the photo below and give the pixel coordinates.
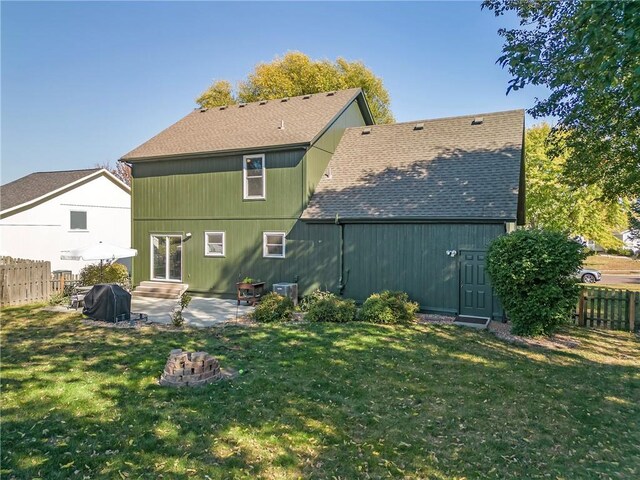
(632, 311)
(581, 309)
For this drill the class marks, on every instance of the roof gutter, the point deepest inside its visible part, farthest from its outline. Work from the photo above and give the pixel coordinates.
(216, 153)
(373, 220)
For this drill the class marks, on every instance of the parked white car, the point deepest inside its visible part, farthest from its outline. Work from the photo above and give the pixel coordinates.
(588, 275)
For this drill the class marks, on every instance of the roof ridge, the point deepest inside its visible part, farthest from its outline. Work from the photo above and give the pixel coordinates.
(280, 98)
(438, 119)
(93, 170)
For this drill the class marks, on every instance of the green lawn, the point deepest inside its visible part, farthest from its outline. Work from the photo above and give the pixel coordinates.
(316, 401)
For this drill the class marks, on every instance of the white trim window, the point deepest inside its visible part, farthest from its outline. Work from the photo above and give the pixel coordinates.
(273, 244)
(254, 177)
(214, 244)
(78, 220)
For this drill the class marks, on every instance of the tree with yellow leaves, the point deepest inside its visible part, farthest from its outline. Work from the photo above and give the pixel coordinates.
(296, 74)
(553, 204)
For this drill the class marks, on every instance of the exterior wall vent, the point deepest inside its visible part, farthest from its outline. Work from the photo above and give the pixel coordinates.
(419, 126)
(366, 131)
(478, 121)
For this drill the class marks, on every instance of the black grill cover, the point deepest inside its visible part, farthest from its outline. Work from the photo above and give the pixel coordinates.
(108, 302)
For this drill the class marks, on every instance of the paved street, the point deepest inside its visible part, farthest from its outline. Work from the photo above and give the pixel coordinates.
(626, 278)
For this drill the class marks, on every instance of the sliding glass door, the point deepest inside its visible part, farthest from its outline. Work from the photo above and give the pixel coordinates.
(166, 257)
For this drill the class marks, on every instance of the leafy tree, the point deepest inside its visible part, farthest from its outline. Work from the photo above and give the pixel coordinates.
(296, 74)
(95, 273)
(554, 205)
(532, 271)
(588, 54)
(122, 171)
(218, 94)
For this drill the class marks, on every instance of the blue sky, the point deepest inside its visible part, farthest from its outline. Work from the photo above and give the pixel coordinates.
(84, 83)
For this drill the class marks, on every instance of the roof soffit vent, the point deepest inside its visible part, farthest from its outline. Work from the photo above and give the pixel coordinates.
(478, 121)
(419, 126)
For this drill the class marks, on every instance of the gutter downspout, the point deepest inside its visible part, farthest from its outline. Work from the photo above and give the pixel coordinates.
(342, 283)
(131, 219)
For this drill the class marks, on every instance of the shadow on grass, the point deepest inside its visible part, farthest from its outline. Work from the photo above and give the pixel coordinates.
(315, 400)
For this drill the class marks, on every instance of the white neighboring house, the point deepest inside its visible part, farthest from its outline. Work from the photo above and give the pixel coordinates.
(630, 242)
(47, 212)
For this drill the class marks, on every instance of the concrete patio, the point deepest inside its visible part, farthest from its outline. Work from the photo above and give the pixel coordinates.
(202, 312)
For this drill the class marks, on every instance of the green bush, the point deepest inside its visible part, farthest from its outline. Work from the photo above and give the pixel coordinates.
(532, 271)
(311, 299)
(111, 273)
(388, 307)
(58, 298)
(619, 251)
(332, 309)
(273, 308)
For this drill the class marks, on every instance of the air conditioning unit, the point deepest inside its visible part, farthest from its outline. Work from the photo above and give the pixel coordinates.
(287, 290)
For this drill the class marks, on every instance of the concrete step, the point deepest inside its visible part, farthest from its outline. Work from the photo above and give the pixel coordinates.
(160, 290)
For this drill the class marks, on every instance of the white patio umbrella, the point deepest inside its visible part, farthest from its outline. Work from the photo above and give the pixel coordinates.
(104, 252)
(98, 251)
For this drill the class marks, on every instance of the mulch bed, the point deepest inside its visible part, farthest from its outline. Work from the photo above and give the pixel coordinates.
(503, 331)
(558, 342)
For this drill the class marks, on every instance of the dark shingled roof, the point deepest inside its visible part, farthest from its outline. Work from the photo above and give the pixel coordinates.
(451, 168)
(253, 125)
(38, 184)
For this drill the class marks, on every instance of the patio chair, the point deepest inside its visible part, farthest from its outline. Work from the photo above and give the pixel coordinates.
(76, 299)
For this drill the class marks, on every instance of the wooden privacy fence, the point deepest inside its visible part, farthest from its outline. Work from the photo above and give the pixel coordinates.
(609, 308)
(64, 281)
(24, 281)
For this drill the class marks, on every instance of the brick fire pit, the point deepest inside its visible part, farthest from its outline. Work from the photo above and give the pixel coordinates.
(190, 369)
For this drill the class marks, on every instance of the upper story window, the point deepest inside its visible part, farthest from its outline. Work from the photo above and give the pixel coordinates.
(78, 220)
(253, 172)
(214, 244)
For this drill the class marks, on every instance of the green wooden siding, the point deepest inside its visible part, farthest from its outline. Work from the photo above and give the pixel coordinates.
(411, 258)
(212, 188)
(320, 153)
(310, 260)
(206, 194)
(407, 257)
